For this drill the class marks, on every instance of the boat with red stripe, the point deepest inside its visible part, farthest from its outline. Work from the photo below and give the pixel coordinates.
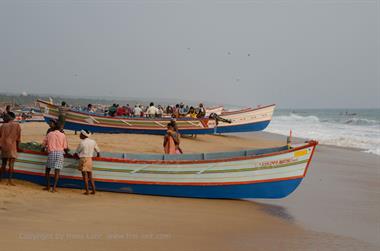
(246, 120)
(256, 173)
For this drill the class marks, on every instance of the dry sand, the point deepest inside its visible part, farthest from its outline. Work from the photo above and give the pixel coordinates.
(134, 143)
(32, 219)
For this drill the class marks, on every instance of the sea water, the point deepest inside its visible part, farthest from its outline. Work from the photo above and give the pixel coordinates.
(358, 128)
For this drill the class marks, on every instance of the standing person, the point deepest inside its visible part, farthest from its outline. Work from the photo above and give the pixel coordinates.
(169, 141)
(56, 145)
(10, 136)
(137, 111)
(152, 111)
(85, 152)
(176, 135)
(62, 110)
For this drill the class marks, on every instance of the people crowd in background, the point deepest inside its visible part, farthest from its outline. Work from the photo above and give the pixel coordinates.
(152, 111)
(180, 110)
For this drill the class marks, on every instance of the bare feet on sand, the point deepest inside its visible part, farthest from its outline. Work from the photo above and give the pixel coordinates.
(10, 183)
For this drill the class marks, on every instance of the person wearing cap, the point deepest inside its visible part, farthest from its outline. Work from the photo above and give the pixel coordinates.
(10, 135)
(55, 143)
(85, 152)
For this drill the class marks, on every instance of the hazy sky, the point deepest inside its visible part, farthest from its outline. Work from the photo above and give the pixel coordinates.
(295, 53)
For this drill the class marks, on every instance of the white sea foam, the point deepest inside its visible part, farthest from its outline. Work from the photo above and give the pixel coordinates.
(348, 132)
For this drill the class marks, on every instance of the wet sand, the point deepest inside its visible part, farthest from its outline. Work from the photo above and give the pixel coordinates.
(340, 195)
(335, 208)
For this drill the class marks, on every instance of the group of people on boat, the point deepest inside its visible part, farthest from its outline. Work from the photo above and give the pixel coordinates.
(56, 145)
(175, 111)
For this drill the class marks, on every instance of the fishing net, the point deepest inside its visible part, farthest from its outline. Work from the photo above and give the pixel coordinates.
(31, 146)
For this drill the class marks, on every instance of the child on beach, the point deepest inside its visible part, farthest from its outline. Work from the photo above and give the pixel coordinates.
(85, 152)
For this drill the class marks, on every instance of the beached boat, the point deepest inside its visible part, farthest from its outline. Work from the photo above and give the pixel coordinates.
(20, 119)
(259, 173)
(247, 120)
(34, 118)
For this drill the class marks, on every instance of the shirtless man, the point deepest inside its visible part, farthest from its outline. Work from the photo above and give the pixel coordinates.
(10, 134)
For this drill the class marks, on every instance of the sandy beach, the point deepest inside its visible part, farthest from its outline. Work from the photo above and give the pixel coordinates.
(335, 208)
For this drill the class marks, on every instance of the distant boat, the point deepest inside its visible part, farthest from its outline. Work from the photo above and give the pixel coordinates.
(261, 173)
(33, 118)
(245, 120)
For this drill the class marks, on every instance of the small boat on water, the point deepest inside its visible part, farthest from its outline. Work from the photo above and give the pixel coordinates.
(246, 120)
(259, 173)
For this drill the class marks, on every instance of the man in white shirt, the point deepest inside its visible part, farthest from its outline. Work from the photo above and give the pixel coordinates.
(152, 110)
(85, 152)
(137, 111)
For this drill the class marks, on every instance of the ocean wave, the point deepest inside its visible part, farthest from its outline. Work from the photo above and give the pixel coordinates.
(296, 117)
(354, 134)
(373, 151)
(361, 121)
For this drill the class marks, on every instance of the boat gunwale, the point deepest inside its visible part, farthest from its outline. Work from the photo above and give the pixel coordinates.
(137, 127)
(311, 143)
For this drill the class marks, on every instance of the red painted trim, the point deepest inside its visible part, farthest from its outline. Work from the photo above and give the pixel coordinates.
(168, 183)
(175, 162)
(311, 156)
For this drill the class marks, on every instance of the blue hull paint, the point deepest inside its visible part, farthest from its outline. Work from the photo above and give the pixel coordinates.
(259, 126)
(265, 190)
